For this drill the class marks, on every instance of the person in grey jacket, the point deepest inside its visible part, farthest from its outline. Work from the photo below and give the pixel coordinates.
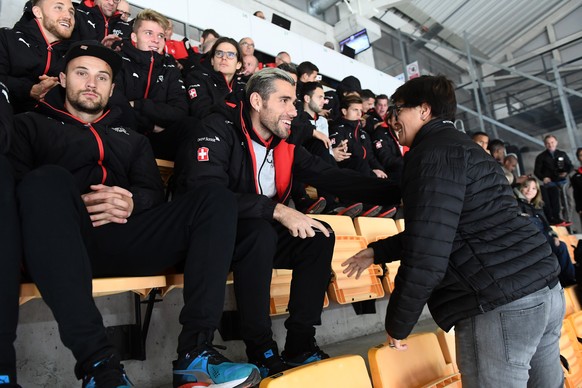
(467, 252)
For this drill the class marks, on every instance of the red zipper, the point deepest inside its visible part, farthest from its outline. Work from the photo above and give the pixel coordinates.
(49, 48)
(147, 91)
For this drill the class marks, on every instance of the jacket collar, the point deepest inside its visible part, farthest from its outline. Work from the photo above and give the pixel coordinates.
(54, 106)
(433, 126)
(244, 122)
(142, 57)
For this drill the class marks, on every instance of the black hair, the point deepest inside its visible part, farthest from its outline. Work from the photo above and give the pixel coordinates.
(225, 39)
(309, 87)
(436, 91)
(306, 68)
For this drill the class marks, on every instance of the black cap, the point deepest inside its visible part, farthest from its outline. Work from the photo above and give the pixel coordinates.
(95, 49)
(349, 84)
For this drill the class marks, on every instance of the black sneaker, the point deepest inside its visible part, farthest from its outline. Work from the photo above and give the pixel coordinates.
(204, 366)
(371, 211)
(352, 210)
(387, 213)
(316, 207)
(307, 357)
(6, 381)
(269, 362)
(106, 373)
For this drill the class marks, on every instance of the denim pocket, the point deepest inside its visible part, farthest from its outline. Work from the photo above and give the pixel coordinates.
(522, 330)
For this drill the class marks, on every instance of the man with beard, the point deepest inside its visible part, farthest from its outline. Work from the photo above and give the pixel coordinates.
(90, 198)
(31, 54)
(100, 20)
(245, 148)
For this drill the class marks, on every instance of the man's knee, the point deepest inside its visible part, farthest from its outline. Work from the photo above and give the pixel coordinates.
(45, 180)
(215, 197)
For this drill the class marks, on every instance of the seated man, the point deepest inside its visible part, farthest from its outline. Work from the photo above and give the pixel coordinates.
(151, 82)
(11, 250)
(99, 20)
(90, 204)
(31, 54)
(244, 148)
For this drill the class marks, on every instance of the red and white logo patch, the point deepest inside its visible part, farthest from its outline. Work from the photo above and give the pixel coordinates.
(332, 140)
(203, 154)
(378, 144)
(192, 93)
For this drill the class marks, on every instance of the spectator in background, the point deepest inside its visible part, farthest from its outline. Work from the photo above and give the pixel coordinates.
(377, 115)
(329, 45)
(497, 150)
(282, 57)
(530, 202)
(250, 65)
(552, 167)
(368, 100)
(259, 14)
(99, 19)
(208, 35)
(482, 139)
(350, 85)
(208, 88)
(31, 54)
(247, 46)
(509, 167)
(306, 72)
(124, 9)
(10, 259)
(388, 150)
(151, 84)
(576, 181)
(467, 253)
(89, 211)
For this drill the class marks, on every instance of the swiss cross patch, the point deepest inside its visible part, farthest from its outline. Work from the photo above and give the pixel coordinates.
(192, 93)
(332, 140)
(203, 154)
(378, 144)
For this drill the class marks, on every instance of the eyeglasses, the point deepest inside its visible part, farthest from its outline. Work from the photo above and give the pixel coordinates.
(125, 13)
(396, 109)
(220, 54)
(248, 44)
(116, 1)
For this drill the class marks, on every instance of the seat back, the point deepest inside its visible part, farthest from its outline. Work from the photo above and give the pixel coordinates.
(336, 372)
(371, 228)
(422, 364)
(448, 347)
(569, 351)
(572, 303)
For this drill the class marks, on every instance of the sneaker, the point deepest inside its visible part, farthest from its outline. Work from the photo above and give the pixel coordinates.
(205, 367)
(269, 362)
(372, 211)
(351, 211)
(312, 355)
(107, 373)
(7, 382)
(387, 214)
(317, 206)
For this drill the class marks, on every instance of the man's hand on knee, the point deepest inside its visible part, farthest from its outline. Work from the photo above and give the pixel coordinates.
(299, 224)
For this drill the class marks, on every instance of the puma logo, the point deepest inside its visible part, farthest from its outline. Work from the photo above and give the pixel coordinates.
(91, 23)
(25, 42)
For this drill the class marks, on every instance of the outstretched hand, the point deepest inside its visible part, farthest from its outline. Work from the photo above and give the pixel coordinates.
(359, 262)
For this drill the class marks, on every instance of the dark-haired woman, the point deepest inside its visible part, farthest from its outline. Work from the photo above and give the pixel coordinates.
(209, 87)
(467, 252)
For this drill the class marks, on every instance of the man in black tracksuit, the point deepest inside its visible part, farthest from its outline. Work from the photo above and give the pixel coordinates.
(90, 204)
(244, 148)
(151, 83)
(31, 54)
(11, 248)
(100, 21)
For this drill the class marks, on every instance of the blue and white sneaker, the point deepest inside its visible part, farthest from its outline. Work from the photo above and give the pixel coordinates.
(204, 366)
(107, 373)
(307, 357)
(7, 382)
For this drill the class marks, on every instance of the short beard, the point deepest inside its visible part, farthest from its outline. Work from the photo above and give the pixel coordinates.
(81, 107)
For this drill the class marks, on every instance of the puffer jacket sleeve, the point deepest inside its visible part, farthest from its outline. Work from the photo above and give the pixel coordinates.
(19, 86)
(433, 193)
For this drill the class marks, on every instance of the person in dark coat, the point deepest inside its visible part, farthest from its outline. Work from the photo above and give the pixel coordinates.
(31, 54)
(467, 252)
(576, 181)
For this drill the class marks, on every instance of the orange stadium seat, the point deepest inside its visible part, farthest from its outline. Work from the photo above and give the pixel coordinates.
(569, 350)
(336, 372)
(421, 365)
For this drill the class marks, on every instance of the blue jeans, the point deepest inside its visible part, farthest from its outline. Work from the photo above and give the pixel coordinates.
(515, 345)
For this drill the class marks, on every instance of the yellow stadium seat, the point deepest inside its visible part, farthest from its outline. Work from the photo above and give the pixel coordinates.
(281, 289)
(400, 224)
(576, 324)
(448, 347)
(421, 365)
(166, 168)
(569, 350)
(572, 303)
(336, 372)
(371, 228)
(105, 286)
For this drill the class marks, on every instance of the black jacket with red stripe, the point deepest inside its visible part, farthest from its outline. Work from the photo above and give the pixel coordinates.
(102, 152)
(25, 54)
(208, 88)
(359, 145)
(223, 153)
(153, 82)
(6, 119)
(92, 24)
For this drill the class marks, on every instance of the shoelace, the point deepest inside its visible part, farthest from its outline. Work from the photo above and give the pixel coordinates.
(106, 375)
